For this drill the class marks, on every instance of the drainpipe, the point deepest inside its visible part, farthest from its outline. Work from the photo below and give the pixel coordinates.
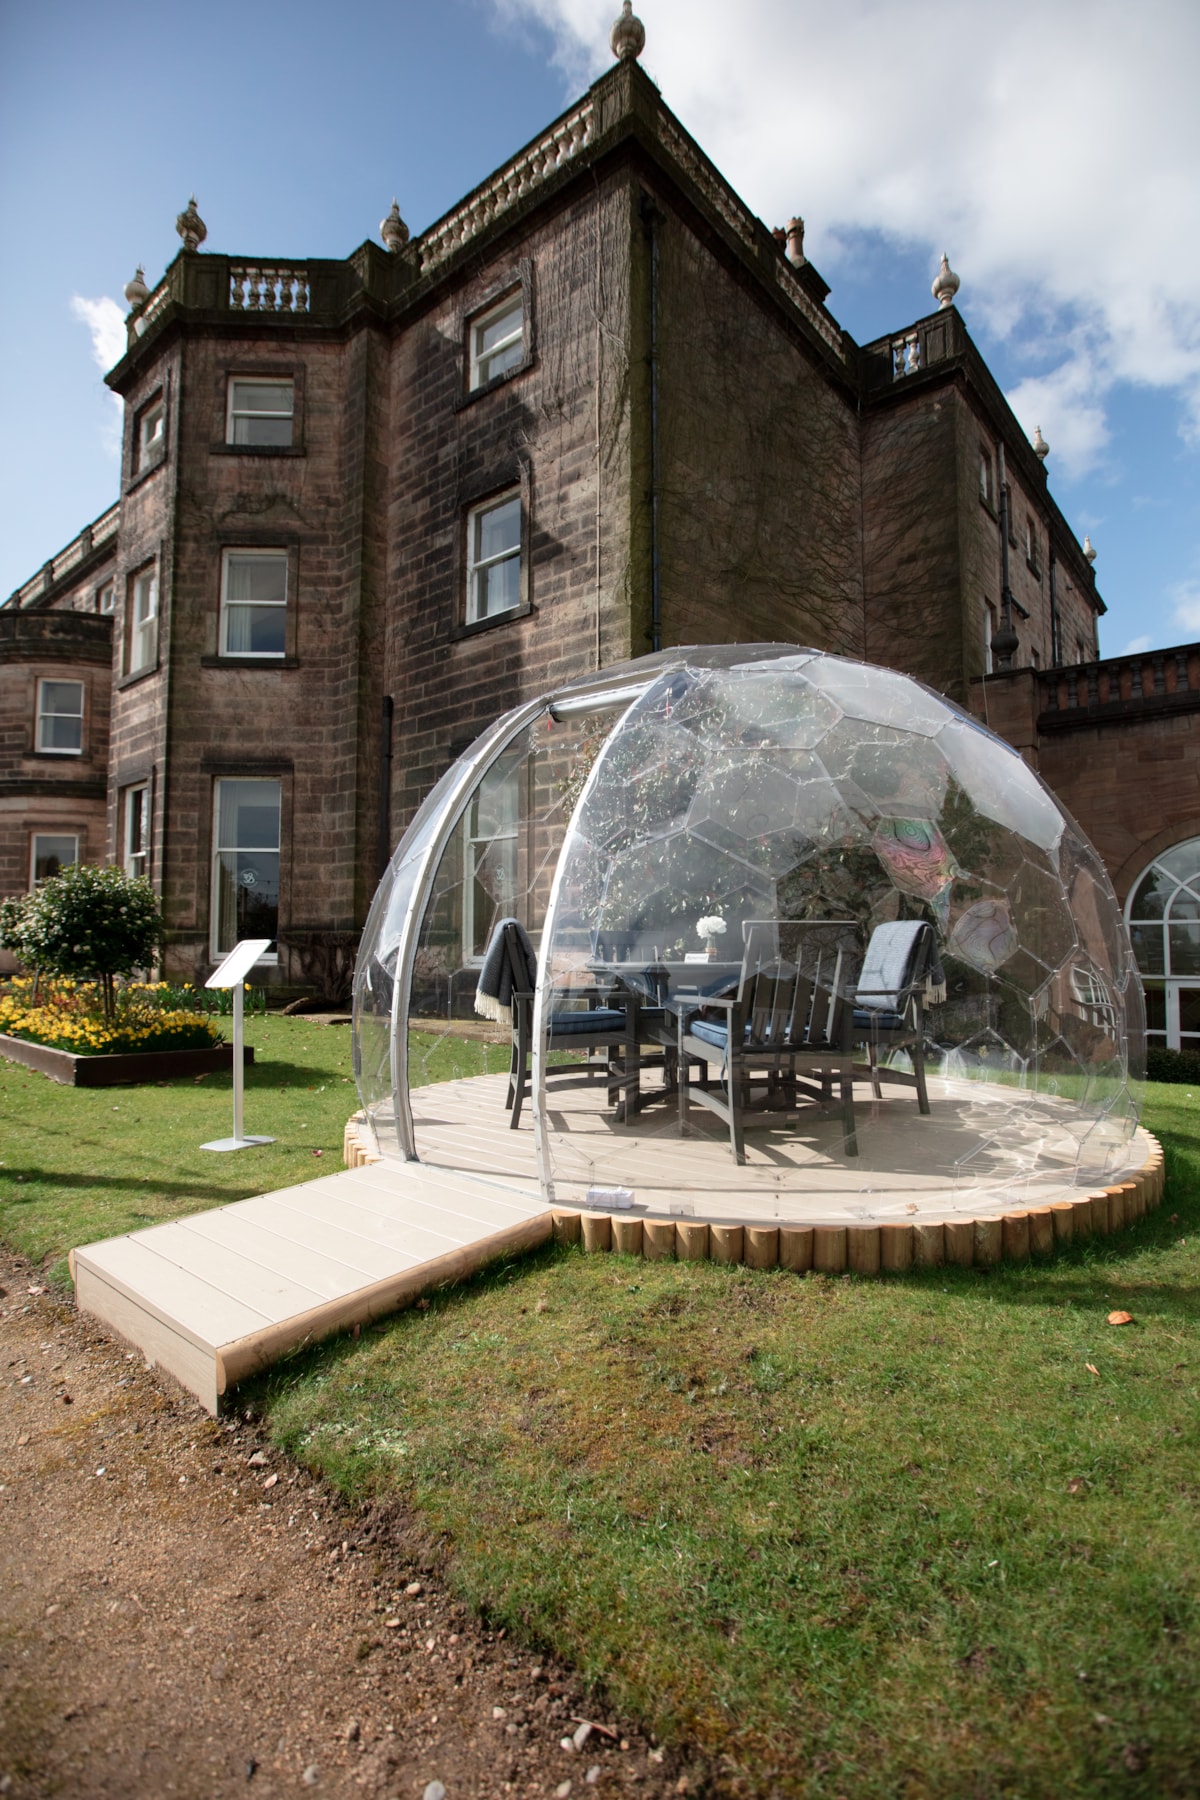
(1005, 641)
(385, 787)
(650, 217)
(1055, 627)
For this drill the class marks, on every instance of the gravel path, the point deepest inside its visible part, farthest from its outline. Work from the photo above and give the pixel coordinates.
(185, 1612)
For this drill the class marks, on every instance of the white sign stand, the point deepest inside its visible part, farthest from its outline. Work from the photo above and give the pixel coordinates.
(232, 973)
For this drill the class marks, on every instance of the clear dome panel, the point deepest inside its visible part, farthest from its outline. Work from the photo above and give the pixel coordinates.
(802, 803)
(750, 828)
(498, 862)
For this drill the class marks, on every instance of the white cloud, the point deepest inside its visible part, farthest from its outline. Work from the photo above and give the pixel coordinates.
(1135, 646)
(1185, 597)
(105, 321)
(1052, 153)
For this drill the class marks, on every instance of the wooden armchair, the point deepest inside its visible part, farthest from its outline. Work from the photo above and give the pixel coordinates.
(889, 1002)
(605, 1026)
(782, 1033)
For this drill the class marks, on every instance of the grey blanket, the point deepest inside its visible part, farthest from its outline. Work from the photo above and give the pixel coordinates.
(888, 965)
(498, 980)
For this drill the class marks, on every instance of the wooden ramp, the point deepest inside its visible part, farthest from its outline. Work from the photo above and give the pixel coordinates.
(216, 1297)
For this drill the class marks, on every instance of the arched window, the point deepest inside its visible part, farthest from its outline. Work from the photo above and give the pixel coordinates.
(1164, 924)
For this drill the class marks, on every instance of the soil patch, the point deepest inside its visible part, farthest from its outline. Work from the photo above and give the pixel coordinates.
(188, 1613)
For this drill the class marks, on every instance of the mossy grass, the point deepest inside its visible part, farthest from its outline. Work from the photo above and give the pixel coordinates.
(844, 1537)
(868, 1538)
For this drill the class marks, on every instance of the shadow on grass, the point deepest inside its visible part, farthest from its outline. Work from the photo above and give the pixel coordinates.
(34, 1179)
(266, 1073)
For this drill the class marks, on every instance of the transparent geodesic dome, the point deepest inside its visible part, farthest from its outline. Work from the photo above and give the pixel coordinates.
(746, 784)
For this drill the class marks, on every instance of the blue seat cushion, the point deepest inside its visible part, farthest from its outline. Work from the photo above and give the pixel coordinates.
(867, 1020)
(602, 1021)
(709, 1031)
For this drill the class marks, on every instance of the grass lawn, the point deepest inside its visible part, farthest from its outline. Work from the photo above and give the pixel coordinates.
(860, 1538)
(78, 1164)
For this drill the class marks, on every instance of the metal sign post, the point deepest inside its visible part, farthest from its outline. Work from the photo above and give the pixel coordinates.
(232, 973)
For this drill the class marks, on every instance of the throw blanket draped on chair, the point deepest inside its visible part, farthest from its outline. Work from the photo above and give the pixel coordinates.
(493, 995)
(888, 965)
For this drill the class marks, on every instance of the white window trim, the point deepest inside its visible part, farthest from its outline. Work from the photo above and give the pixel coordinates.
(39, 837)
(214, 931)
(42, 715)
(143, 632)
(154, 415)
(475, 566)
(130, 855)
(106, 598)
(232, 413)
(473, 843)
(229, 606)
(512, 302)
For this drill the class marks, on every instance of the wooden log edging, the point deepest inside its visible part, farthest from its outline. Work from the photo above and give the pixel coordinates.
(888, 1247)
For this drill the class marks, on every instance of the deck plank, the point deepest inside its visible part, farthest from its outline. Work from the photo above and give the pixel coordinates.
(202, 1311)
(255, 1284)
(311, 1252)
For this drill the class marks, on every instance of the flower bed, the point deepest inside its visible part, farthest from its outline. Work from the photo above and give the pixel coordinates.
(69, 1016)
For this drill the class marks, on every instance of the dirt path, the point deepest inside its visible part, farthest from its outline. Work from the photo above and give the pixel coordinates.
(184, 1612)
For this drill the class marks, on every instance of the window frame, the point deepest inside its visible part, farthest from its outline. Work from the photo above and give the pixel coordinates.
(473, 565)
(216, 951)
(229, 608)
(148, 445)
(41, 837)
(479, 848)
(139, 790)
(232, 413)
(1168, 981)
(141, 634)
(106, 597)
(45, 714)
(516, 298)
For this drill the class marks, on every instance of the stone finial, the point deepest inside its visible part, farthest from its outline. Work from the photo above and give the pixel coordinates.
(1089, 549)
(191, 226)
(795, 243)
(136, 291)
(946, 283)
(393, 230)
(628, 35)
(1041, 448)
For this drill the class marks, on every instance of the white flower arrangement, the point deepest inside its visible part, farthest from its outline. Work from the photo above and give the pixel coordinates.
(710, 927)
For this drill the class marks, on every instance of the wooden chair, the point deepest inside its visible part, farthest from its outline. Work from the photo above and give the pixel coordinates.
(605, 1026)
(782, 1034)
(889, 1002)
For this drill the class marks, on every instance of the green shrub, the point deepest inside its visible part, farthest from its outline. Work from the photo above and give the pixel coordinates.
(1172, 1065)
(85, 923)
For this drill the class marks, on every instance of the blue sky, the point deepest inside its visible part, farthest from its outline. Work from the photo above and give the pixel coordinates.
(1057, 160)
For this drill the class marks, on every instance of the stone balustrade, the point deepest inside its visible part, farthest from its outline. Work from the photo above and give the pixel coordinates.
(268, 287)
(909, 353)
(1153, 681)
(517, 178)
(92, 537)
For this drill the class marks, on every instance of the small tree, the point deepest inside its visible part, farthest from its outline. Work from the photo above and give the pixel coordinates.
(14, 933)
(87, 924)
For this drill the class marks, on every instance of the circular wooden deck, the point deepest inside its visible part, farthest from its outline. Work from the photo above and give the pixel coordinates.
(990, 1172)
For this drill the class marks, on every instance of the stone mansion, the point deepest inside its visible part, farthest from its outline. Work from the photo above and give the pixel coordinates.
(597, 409)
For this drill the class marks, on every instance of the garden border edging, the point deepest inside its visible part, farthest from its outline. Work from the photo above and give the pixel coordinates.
(130, 1067)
